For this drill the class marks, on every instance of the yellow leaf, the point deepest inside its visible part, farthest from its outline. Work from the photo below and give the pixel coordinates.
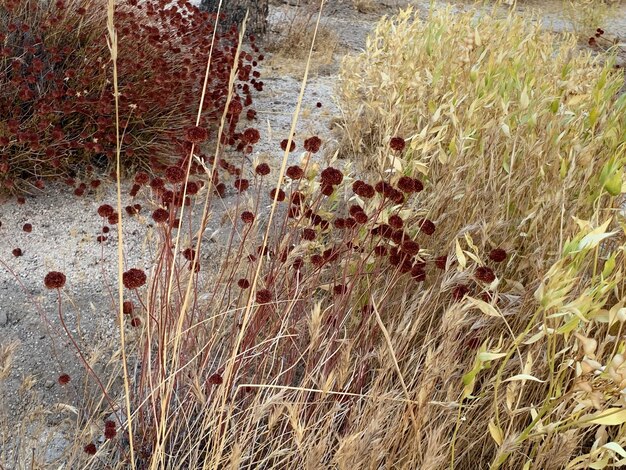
(523, 377)
(460, 256)
(484, 307)
(496, 432)
(609, 417)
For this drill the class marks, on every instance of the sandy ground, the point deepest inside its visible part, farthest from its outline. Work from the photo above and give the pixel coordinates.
(64, 239)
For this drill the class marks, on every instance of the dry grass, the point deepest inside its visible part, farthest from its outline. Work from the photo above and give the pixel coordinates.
(586, 16)
(293, 40)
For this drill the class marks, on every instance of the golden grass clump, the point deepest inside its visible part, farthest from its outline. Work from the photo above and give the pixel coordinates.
(511, 124)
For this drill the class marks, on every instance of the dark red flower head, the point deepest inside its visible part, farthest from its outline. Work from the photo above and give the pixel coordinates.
(134, 278)
(110, 432)
(142, 178)
(331, 176)
(64, 379)
(263, 296)
(241, 184)
(363, 189)
(397, 144)
(441, 262)
(312, 144)
(90, 449)
(247, 217)
(27, 228)
(295, 172)
(54, 280)
(279, 194)
(127, 307)
(196, 134)
(251, 136)
(160, 215)
(216, 379)
(485, 274)
(284, 142)
(105, 210)
(243, 283)
(459, 292)
(498, 255)
(406, 184)
(426, 226)
(175, 174)
(262, 169)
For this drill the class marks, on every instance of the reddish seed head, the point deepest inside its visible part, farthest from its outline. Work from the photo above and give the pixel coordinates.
(251, 136)
(484, 274)
(278, 194)
(308, 234)
(418, 273)
(64, 379)
(142, 178)
(498, 255)
(411, 247)
(241, 184)
(396, 222)
(27, 228)
(109, 432)
(459, 292)
(263, 296)
(160, 215)
(243, 283)
(397, 144)
(426, 226)
(175, 174)
(295, 172)
(440, 262)
(134, 278)
(331, 176)
(318, 104)
(196, 134)
(189, 254)
(247, 217)
(105, 229)
(215, 379)
(312, 144)
(128, 307)
(284, 142)
(113, 219)
(105, 210)
(327, 190)
(21, 200)
(90, 449)
(135, 322)
(361, 217)
(406, 184)
(363, 189)
(54, 280)
(262, 169)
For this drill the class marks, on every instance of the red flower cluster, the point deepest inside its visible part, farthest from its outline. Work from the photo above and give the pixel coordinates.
(134, 278)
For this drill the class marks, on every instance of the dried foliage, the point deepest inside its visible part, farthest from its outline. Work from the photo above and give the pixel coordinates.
(56, 100)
